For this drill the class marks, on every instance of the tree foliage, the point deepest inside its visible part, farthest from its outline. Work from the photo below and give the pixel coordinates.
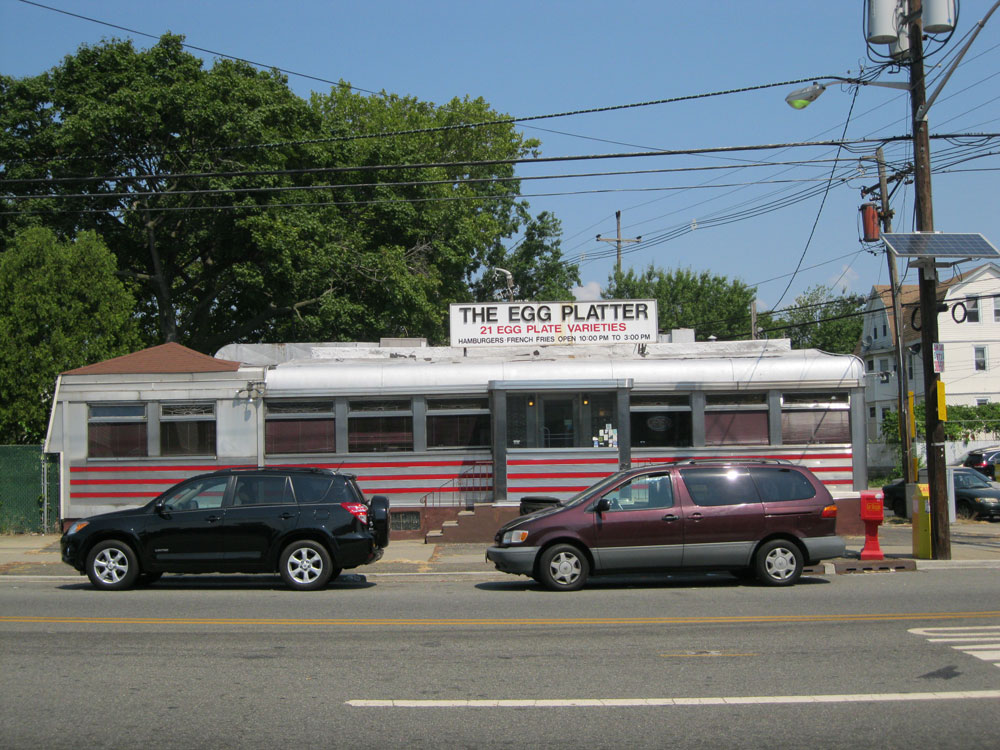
(212, 199)
(710, 304)
(820, 319)
(964, 423)
(61, 307)
(535, 263)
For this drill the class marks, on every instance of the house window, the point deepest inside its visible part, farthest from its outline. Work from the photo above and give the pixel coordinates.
(982, 401)
(117, 431)
(871, 412)
(458, 422)
(871, 365)
(299, 427)
(187, 429)
(885, 329)
(979, 358)
(972, 309)
(996, 309)
(380, 426)
(736, 419)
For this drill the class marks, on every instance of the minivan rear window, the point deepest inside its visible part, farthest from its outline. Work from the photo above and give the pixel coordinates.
(777, 485)
(722, 485)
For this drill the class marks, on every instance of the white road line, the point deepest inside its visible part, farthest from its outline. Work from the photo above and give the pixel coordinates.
(666, 702)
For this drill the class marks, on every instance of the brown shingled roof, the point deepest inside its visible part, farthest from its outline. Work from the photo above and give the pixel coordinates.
(165, 358)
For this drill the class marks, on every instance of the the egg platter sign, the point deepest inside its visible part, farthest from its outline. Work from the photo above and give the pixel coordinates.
(528, 323)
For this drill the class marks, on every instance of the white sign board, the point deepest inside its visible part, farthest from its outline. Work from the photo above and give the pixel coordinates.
(532, 323)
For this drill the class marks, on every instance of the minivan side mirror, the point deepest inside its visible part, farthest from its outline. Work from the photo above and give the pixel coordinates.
(601, 505)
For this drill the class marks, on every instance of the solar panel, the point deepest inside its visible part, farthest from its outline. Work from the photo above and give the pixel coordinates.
(934, 245)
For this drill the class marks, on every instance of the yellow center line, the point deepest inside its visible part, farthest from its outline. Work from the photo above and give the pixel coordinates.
(495, 622)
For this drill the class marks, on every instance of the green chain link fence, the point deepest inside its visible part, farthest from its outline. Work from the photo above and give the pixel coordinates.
(29, 490)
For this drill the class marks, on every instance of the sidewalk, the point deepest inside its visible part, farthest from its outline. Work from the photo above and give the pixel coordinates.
(972, 542)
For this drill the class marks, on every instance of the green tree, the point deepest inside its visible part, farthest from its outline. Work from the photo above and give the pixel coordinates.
(712, 305)
(535, 263)
(820, 319)
(368, 247)
(964, 422)
(61, 307)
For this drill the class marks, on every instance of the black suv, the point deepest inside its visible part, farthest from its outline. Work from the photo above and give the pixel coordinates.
(305, 524)
(984, 461)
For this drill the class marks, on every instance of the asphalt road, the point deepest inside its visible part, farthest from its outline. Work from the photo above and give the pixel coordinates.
(216, 662)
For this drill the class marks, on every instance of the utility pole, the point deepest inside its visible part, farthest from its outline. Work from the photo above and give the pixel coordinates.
(934, 428)
(885, 213)
(619, 240)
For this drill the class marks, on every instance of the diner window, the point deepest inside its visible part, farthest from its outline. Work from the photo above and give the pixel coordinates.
(117, 431)
(299, 427)
(380, 426)
(187, 429)
(458, 422)
(808, 418)
(562, 420)
(660, 421)
(736, 419)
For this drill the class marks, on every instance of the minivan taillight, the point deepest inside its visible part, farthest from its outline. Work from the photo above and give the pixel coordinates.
(830, 511)
(358, 510)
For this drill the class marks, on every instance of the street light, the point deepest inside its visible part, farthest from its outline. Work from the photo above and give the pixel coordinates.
(802, 98)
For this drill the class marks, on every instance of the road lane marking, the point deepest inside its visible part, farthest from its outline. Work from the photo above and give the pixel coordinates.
(663, 702)
(982, 642)
(497, 622)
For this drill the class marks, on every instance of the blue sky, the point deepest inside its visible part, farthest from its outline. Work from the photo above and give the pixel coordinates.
(531, 58)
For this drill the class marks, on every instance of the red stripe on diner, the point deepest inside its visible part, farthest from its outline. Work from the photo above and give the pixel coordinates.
(385, 464)
(560, 461)
(828, 469)
(147, 495)
(85, 482)
(562, 475)
(143, 467)
(326, 465)
(366, 490)
(785, 456)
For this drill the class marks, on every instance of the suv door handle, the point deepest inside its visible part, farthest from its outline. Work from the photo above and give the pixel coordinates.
(670, 517)
(213, 519)
(286, 515)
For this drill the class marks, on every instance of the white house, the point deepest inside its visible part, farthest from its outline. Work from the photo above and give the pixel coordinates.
(969, 330)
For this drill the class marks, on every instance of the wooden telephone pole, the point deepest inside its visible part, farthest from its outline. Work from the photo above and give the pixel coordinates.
(619, 240)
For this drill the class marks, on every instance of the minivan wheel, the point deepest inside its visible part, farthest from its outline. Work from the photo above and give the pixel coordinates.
(305, 566)
(964, 511)
(112, 565)
(563, 567)
(778, 563)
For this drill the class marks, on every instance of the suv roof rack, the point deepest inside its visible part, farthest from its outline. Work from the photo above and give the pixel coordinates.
(295, 469)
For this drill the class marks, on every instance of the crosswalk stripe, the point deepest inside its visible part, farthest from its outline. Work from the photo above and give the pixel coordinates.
(982, 642)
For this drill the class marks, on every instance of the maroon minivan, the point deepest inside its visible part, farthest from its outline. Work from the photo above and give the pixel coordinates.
(765, 517)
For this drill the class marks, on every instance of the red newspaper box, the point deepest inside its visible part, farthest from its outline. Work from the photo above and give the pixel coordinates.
(872, 513)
